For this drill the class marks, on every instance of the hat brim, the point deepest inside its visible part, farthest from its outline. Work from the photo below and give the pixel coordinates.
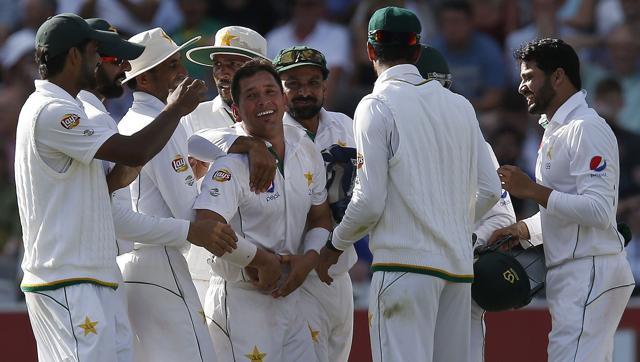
(202, 55)
(110, 43)
(325, 71)
(154, 64)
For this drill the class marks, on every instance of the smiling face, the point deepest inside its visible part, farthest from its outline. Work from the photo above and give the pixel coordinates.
(536, 87)
(305, 89)
(261, 105)
(225, 67)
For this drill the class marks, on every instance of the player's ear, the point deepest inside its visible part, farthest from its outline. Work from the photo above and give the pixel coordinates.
(236, 112)
(371, 53)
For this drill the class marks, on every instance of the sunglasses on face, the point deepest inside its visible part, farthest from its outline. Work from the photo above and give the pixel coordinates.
(388, 37)
(113, 60)
(303, 55)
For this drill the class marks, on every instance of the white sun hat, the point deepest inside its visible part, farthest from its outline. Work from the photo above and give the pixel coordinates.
(158, 47)
(231, 40)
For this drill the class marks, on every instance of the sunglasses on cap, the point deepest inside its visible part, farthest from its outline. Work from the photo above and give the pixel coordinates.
(301, 55)
(444, 79)
(389, 37)
(113, 60)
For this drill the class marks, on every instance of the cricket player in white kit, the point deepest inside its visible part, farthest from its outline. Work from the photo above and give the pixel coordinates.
(233, 46)
(247, 322)
(589, 280)
(327, 308)
(422, 183)
(164, 309)
(433, 66)
(69, 263)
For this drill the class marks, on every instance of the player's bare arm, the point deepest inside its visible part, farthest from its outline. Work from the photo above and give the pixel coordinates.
(518, 184)
(519, 230)
(121, 176)
(212, 232)
(139, 148)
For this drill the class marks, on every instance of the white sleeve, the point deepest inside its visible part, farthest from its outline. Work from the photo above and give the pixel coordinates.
(594, 164)
(488, 182)
(535, 231)
(141, 228)
(65, 128)
(223, 188)
(499, 216)
(373, 124)
(319, 191)
(174, 178)
(210, 144)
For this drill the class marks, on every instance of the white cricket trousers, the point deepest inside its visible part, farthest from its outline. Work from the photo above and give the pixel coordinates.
(586, 299)
(478, 331)
(417, 317)
(166, 316)
(81, 322)
(328, 310)
(248, 325)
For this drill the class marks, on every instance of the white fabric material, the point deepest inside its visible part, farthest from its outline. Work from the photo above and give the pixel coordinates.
(58, 316)
(418, 317)
(244, 323)
(477, 333)
(166, 315)
(328, 310)
(208, 115)
(65, 214)
(586, 299)
(273, 220)
(406, 201)
(210, 144)
(578, 159)
(131, 225)
(166, 185)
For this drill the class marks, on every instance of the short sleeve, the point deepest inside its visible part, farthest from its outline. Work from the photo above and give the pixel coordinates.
(64, 130)
(319, 180)
(222, 189)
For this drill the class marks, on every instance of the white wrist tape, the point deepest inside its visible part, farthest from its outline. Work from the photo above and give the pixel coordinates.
(315, 239)
(243, 254)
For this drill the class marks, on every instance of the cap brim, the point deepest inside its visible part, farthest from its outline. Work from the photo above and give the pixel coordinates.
(325, 72)
(110, 43)
(202, 55)
(137, 73)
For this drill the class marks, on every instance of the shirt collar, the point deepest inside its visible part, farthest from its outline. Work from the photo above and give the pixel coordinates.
(561, 115)
(404, 72)
(91, 98)
(321, 121)
(47, 88)
(219, 103)
(148, 100)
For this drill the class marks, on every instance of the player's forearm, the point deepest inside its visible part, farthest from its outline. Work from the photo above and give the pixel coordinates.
(146, 229)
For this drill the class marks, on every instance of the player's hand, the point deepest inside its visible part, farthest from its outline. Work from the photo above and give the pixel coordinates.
(516, 182)
(300, 267)
(187, 95)
(262, 167)
(217, 237)
(199, 168)
(266, 270)
(518, 230)
(121, 176)
(328, 258)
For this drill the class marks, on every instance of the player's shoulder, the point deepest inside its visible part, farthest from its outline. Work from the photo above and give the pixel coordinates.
(230, 166)
(63, 113)
(337, 118)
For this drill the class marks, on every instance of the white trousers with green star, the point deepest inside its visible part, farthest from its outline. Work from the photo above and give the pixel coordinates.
(416, 317)
(81, 322)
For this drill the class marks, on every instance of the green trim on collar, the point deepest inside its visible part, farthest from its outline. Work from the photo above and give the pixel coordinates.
(279, 161)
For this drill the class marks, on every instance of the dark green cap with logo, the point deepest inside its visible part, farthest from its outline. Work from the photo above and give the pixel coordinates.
(394, 20)
(298, 56)
(433, 65)
(500, 282)
(64, 31)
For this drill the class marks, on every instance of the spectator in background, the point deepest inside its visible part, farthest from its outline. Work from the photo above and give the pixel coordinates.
(307, 27)
(197, 22)
(258, 15)
(35, 12)
(609, 101)
(475, 59)
(622, 63)
(545, 24)
(496, 18)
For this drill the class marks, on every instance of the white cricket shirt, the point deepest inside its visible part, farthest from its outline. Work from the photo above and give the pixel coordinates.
(578, 159)
(208, 115)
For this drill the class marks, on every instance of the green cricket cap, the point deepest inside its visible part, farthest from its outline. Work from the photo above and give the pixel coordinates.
(500, 282)
(433, 65)
(396, 21)
(298, 56)
(64, 31)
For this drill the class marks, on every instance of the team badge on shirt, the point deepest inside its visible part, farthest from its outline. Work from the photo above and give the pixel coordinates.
(597, 164)
(179, 164)
(222, 175)
(70, 120)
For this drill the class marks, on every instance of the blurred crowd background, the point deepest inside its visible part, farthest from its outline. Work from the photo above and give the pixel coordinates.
(477, 37)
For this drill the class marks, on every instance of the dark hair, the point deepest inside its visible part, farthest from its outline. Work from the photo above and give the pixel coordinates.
(457, 5)
(608, 85)
(51, 66)
(394, 52)
(250, 69)
(551, 54)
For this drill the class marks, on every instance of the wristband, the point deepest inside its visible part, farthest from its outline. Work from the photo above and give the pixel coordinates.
(243, 254)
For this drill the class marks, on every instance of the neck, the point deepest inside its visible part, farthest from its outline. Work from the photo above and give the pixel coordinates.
(557, 102)
(311, 124)
(382, 67)
(65, 82)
